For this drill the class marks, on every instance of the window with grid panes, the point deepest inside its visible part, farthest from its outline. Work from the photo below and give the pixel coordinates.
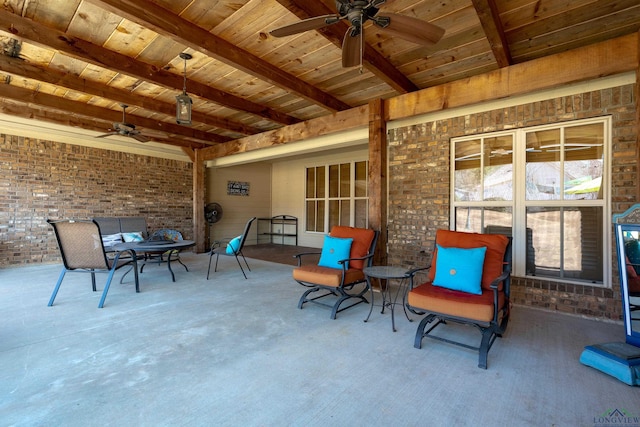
(336, 194)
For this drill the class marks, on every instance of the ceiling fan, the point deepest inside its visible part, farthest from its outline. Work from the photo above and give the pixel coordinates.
(125, 129)
(357, 12)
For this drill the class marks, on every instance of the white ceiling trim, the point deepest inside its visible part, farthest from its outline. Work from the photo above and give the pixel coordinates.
(18, 126)
(359, 137)
(323, 143)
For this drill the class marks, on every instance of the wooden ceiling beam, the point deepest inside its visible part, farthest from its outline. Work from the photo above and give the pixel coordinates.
(21, 68)
(83, 109)
(20, 109)
(31, 31)
(492, 26)
(373, 61)
(162, 21)
(594, 61)
(357, 117)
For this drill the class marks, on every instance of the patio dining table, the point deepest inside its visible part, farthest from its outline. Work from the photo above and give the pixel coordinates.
(157, 247)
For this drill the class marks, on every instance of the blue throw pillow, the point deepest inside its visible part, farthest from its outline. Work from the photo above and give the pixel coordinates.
(233, 246)
(333, 250)
(460, 269)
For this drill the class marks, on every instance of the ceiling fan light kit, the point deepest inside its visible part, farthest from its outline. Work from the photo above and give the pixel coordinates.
(183, 101)
(357, 12)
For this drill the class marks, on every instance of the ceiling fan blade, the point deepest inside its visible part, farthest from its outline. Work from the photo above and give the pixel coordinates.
(305, 25)
(408, 28)
(351, 49)
(106, 134)
(138, 137)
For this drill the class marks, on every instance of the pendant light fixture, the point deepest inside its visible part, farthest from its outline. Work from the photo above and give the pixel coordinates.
(183, 102)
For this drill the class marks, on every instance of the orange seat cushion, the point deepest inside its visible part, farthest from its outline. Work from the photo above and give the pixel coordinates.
(326, 276)
(362, 238)
(633, 281)
(454, 303)
(496, 245)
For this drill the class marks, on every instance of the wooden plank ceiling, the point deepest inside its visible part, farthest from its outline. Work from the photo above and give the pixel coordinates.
(74, 62)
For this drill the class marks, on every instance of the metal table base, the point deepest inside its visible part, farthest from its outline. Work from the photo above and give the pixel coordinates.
(388, 273)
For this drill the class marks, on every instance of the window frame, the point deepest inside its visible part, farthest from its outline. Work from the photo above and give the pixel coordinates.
(519, 204)
(352, 198)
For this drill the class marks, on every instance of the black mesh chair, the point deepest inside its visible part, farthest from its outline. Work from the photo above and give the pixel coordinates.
(232, 248)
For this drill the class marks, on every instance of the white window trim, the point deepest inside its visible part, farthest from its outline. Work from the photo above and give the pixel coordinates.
(352, 198)
(519, 204)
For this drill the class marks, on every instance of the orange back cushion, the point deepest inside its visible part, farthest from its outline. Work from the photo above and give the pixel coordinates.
(630, 270)
(496, 245)
(362, 238)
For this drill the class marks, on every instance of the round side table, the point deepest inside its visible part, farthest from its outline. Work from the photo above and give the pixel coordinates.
(387, 273)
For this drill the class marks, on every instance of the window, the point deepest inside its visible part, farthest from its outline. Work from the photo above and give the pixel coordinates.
(546, 187)
(336, 195)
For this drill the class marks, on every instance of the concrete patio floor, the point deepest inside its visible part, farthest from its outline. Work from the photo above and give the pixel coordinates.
(236, 352)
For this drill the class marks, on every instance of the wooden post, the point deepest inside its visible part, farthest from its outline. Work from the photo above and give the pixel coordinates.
(637, 95)
(378, 177)
(198, 202)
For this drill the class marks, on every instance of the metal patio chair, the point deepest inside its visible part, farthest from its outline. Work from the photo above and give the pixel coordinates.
(231, 248)
(341, 276)
(464, 288)
(82, 251)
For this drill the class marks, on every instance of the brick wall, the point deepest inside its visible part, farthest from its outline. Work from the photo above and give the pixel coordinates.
(419, 187)
(44, 179)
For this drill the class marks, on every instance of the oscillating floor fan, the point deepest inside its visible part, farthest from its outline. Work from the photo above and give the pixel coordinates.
(212, 214)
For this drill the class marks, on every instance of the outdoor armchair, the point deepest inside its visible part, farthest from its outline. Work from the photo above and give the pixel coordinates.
(468, 282)
(82, 251)
(345, 253)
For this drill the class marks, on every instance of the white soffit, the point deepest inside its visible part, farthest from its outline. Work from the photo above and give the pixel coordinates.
(18, 126)
(53, 132)
(312, 145)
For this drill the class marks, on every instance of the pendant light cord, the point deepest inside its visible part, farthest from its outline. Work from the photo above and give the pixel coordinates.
(361, 47)
(361, 41)
(186, 57)
(184, 73)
